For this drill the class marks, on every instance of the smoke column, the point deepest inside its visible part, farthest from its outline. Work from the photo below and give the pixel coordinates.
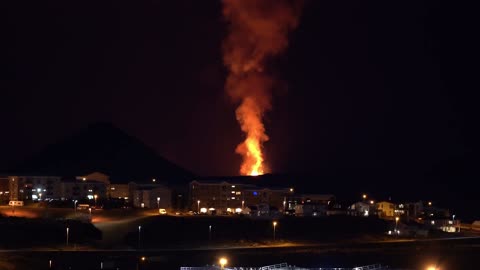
(258, 30)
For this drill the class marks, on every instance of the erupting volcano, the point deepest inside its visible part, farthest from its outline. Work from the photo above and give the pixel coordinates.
(258, 30)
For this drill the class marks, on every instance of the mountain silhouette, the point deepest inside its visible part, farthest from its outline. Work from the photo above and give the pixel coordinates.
(102, 147)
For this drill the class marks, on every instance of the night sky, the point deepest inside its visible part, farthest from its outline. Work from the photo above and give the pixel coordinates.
(375, 90)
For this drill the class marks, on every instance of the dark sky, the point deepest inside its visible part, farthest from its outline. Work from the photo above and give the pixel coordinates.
(373, 88)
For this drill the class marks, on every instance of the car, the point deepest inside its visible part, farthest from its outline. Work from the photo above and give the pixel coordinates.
(162, 211)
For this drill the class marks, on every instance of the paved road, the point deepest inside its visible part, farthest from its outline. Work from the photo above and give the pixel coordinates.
(206, 248)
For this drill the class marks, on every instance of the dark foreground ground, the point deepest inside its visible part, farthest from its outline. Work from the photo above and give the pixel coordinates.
(451, 255)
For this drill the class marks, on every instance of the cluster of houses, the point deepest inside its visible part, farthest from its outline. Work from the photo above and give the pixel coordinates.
(95, 188)
(216, 196)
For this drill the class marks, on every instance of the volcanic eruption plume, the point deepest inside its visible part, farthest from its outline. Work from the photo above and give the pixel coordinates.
(258, 30)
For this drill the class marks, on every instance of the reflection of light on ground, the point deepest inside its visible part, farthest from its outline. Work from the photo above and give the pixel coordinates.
(19, 212)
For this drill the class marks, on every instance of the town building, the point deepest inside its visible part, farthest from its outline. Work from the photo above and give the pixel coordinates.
(34, 188)
(119, 191)
(385, 210)
(73, 189)
(232, 193)
(95, 176)
(4, 190)
(361, 209)
(151, 196)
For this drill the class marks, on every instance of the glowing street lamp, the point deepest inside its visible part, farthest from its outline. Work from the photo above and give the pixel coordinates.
(364, 196)
(396, 224)
(95, 197)
(274, 229)
(243, 205)
(198, 206)
(210, 232)
(68, 231)
(75, 205)
(139, 232)
(90, 210)
(158, 204)
(223, 262)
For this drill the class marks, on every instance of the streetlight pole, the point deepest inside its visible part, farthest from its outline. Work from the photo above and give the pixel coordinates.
(158, 204)
(396, 224)
(90, 210)
(139, 234)
(274, 229)
(243, 205)
(198, 206)
(68, 230)
(209, 232)
(75, 206)
(95, 197)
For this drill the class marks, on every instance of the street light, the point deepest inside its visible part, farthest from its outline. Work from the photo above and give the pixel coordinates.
(396, 224)
(209, 232)
(75, 205)
(158, 204)
(364, 196)
(243, 205)
(90, 210)
(274, 229)
(223, 262)
(198, 206)
(139, 231)
(68, 230)
(95, 197)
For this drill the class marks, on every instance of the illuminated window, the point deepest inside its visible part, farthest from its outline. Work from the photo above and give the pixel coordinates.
(238, 193)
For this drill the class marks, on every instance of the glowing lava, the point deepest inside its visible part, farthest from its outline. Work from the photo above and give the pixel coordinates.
(258, 30)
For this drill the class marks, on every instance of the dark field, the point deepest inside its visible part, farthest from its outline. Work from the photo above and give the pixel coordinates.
(449, 255)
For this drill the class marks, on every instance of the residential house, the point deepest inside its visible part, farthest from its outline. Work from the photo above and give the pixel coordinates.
(385, 209)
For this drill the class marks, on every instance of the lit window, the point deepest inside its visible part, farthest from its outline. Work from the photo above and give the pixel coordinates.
(233, 192)
(233, 198)
(233, 186)
(238, 193)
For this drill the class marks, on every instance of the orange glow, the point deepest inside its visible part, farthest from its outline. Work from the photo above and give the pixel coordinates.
(258, 30)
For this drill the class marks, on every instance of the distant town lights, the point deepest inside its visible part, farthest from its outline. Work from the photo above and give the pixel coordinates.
(364, 196)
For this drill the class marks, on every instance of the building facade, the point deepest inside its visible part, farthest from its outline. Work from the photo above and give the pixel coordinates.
(152, 196)
(224, 195)
(385, 209)
(83, 190)
(34, 188)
